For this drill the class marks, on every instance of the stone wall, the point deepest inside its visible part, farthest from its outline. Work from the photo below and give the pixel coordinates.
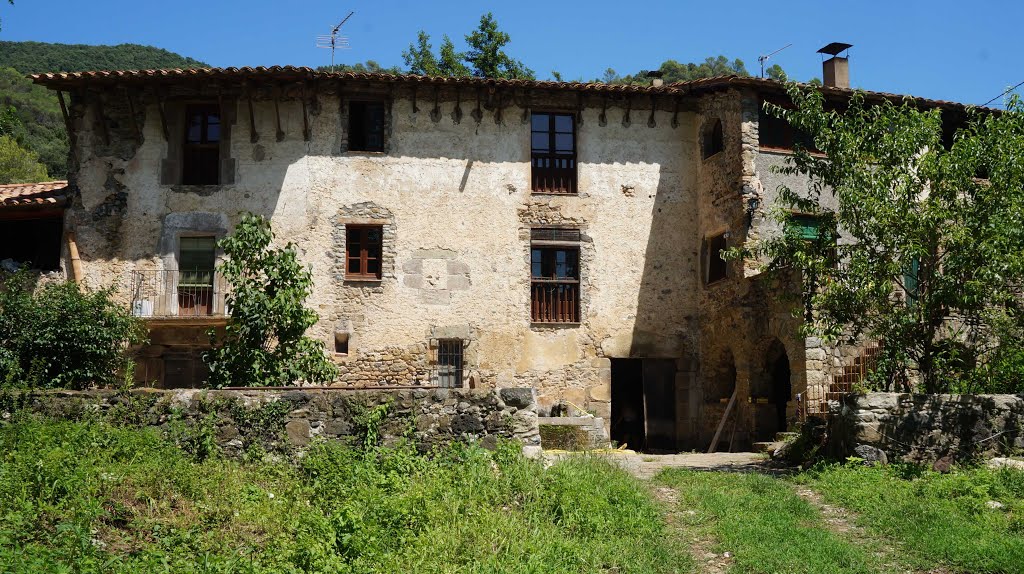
(924, 428)
(453, 194)
(285, 419)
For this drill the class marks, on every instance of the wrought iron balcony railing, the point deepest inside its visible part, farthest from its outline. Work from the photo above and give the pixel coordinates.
(178, 293)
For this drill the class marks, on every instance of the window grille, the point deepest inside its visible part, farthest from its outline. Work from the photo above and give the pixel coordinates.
(554, 278)
(554, 234)
(449, 363)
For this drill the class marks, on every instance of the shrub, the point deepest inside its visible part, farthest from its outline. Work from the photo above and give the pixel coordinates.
(265, 342)
(62, 336)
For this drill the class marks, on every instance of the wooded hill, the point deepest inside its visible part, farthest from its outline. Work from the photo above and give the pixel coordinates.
(35, 124)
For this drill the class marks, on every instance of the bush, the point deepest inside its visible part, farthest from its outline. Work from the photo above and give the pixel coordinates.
(265, 342)
(62, 336)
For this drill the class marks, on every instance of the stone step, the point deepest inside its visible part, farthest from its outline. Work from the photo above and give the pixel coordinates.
(766, 447)
(786, 436)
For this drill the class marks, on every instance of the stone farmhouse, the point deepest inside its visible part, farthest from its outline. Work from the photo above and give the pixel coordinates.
(462, 232)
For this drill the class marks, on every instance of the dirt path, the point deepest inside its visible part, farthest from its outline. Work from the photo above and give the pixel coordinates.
(842, 522)
(699, 542)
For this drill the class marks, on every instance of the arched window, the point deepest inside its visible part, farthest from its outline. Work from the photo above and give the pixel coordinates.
(713, 138)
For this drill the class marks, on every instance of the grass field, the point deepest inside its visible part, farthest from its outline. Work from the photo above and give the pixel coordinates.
(90, 497)
(94, 498)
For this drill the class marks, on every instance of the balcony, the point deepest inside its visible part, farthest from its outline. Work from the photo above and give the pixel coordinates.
(173, 294)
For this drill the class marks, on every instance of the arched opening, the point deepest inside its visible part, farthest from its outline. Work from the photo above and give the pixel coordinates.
(772, 396)
(713, 139)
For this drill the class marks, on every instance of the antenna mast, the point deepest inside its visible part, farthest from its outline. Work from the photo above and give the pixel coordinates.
(333, 40)
(764, 58)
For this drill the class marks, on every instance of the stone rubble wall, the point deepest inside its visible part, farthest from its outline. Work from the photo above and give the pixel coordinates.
(284, 419)
(925, 428)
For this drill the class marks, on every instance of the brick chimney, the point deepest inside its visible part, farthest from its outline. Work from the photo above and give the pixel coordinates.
(835, 71)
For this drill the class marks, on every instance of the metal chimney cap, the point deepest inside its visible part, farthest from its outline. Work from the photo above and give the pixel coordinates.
(835, 48)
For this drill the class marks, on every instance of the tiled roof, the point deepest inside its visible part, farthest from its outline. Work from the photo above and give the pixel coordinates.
(764, 84)
(66, 80)
(26, 195)
(294, 73)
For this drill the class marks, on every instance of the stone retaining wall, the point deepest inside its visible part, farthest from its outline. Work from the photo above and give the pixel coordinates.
(284, 419)
(925, 428)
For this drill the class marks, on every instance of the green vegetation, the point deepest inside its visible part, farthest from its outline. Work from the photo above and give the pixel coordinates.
(265, 342)
(88, 497)
(933, 222)
(62, 336)
(936, 519)
(38, 57)
(763, 524)
(40, 129)
(17, 164)
(485, 58)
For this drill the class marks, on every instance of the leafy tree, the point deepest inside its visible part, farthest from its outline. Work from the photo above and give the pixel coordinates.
(775, 72)
(486, 55)
(39, 126)
(18, 165)
(37, 57)
(420, 57)
(450, 61)
(674, 71)
(369, 67)
(62, 336)
(265, 342)
(932, 259)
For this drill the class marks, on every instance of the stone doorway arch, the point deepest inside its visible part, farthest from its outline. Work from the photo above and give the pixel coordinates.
(773, 392)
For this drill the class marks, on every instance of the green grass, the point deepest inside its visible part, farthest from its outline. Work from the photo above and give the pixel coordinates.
(90, 497)
(763, 524)
(937, 519)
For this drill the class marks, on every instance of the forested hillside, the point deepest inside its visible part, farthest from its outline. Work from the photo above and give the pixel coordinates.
(35, 57)
(31, 126)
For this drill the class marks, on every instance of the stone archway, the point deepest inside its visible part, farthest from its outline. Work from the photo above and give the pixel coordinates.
(772, 393)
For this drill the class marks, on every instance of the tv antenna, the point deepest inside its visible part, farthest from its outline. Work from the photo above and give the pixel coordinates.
(764, 58)
(333, 40)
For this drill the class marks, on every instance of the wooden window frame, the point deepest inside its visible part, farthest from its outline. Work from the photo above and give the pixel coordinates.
(553, 299)
(545, 179)
(716, 271)
(364, 256)
(197, 297)
(366, 124)
(191, 169)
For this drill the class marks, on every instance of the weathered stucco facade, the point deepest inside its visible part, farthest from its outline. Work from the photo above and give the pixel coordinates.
(451, 192)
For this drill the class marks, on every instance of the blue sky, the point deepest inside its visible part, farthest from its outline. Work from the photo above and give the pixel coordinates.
(962, 51)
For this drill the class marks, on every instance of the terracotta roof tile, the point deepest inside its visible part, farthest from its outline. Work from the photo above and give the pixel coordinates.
(69, 79)
(765, 84)
(65, 80)
(27, 195)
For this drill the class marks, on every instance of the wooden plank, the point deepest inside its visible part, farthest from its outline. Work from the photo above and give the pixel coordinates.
(67, 119)
(721, 424)
(102, 119)
(277, 112)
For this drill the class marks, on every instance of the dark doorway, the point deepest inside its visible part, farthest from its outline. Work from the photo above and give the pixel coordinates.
(771, 417)
(782, 389)
(644, 404)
